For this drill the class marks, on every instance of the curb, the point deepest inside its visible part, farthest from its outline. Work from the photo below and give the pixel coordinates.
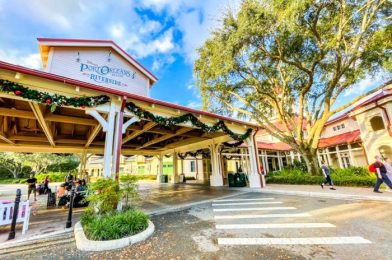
(35, 239)
(338, 196)
(84, 244)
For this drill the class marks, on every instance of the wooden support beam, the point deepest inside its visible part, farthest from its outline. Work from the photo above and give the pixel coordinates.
(16, 113)
(70, 120)
(93, 134)
(165, 137)
(3, 137)
(146, 127)
(37, 110)
(183, 142)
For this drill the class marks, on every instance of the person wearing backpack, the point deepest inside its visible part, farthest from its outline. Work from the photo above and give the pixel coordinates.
(381, 174)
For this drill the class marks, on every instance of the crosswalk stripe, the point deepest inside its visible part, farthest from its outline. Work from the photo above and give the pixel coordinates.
(299, 215)
(246, 203)
(293, 241)
(275, 225)
(229, 200)
(251, 209)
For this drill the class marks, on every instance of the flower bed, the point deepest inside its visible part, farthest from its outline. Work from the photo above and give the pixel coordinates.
(114, 225)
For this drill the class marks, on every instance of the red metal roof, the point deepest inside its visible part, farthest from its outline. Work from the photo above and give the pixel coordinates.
(279, 146)
(346, 138)
(65, 80)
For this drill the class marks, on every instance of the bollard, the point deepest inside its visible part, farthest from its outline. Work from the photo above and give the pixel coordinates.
(69, 220)
(15, 214)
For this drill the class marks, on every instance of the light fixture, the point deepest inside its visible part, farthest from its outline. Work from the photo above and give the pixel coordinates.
(78, 58)
(17, 75)
(77, 88)
(110, 53)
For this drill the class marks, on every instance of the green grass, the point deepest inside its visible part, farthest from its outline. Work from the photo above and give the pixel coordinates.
(353, 176)
(114, 225)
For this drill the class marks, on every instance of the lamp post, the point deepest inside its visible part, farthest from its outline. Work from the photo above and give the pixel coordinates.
(15, 214)
(69, 219)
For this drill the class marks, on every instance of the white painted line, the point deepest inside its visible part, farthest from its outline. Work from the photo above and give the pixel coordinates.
(229, 200)
(251, 209)
(294, 241)
(299, 215)
(275, 225)
(246, 203)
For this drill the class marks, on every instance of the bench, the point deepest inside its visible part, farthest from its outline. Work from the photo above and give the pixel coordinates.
(7, 210)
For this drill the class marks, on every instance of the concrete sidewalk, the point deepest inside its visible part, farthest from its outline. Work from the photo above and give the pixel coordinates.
(345, 193)
(155, 199)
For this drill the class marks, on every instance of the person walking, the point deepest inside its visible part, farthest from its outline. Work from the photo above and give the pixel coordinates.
(31, 184)
(381, 174)
(327, 176)
(46, 184)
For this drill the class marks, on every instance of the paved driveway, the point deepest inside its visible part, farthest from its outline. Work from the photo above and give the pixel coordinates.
(260, 226)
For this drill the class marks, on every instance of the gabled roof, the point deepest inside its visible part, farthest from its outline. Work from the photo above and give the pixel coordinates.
(345, 138)
(46, 43)
(82, 84)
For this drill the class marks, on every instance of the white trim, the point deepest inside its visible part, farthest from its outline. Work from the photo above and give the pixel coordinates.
(293, 241)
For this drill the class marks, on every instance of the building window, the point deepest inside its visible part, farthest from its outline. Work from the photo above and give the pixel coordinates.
(338, 127)
(193, 166)
(377, 123)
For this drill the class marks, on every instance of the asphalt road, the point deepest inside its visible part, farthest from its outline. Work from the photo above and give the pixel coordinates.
(258, 226)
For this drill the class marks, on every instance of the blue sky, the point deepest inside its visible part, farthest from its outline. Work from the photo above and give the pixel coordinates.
(161, 34)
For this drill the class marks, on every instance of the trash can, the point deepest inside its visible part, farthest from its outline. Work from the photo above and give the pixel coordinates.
(164, 179)
(182, 178)
(230, 176)
(241, 180)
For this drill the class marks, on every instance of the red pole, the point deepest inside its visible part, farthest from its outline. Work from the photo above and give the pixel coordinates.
(119, 140)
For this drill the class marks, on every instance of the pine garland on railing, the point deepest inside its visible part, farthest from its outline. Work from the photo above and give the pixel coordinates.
(52, 100)
(172, 121)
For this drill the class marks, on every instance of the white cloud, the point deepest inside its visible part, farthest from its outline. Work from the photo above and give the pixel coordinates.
(194, 104)
(159, 63)
(150, 27)
(366, 84)
(32, 60)
(117, 30)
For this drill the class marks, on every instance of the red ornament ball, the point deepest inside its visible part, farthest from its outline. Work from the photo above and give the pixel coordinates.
(83, 106)
(48, 101)
(18, 92)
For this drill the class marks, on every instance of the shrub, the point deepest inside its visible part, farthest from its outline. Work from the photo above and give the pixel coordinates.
(105, 194)
(352, 176)
(128, 185)
(115, 225)
(53, 176)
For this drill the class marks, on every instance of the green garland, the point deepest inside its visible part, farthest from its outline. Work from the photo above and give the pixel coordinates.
(172, 121)
(195, 154)
(54, 100)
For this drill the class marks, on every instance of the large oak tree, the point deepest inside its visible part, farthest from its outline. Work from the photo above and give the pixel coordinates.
(289, 61)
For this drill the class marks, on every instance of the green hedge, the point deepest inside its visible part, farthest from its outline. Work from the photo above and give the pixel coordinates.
(53, 176)
(352, 176)
(114, 225)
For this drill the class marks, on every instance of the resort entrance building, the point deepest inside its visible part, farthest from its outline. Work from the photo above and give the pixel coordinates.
(92, 99)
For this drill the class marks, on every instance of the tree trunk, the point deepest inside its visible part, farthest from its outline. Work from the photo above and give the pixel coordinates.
(311, 161)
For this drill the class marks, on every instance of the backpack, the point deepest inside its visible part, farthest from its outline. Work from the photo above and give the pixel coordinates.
(372, 168)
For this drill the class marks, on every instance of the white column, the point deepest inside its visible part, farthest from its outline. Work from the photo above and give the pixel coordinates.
(175, 169)
(253, 176)
(160, 168)
(328, 156)
(339, 158)
(109, 141)
(292, 156)
(216, 174)
(352, 159)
